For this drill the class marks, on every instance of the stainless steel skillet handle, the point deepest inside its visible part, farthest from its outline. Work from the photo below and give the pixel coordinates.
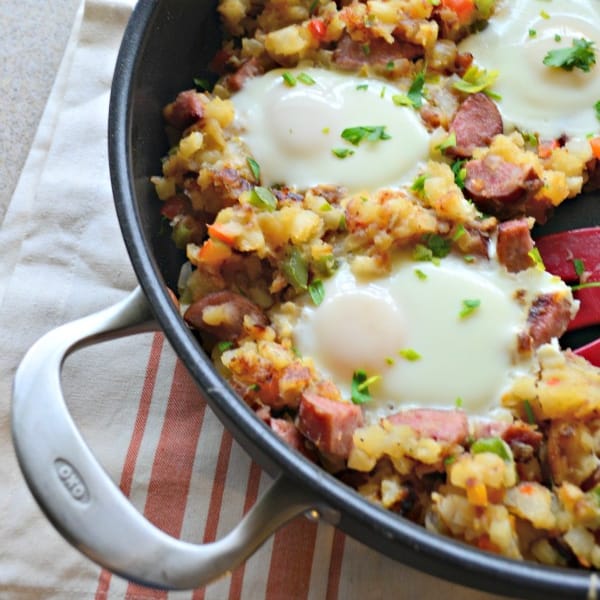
(80, 498)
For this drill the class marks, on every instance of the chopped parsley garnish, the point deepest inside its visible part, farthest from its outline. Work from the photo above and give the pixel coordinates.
(382, 92)
(362, 87)
(306, 79)
(360, 386)
(365, 133)
(557, 37)
(261, 197)
(460, 231)
(597, 110)
(389, 360)
(409, 354)
(389, 65)
(544, 14)
(485, 7)
(366, 49)
(253, 166)
(469, 306)
(414, 96)
(288, 79)
(418, 185)
(581, 55)
(422, 253)
(529, 412)
(495, 445)
(584, 286)
(422, 276)
(254, 387)
(460, 173)
(476, 80)
(295, 269)
(202, 84)
(342, 152)
(222, 346)
(313, 6)
(449, 142)
(536, 257)
(316, 291)
(532, 33)
(579, 267)
(439, 246)
(458, 402)
(530, 138)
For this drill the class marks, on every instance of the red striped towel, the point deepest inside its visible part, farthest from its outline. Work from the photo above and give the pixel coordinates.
(62, 258)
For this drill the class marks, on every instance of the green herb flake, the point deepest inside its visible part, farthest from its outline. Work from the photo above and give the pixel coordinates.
(460, 231)
(476, 80)
(295, 269)
(469, 306)
(495, 445)
(469, 258)
(306, 79)
(202, 84)
(585, 286)
(342, 152)
(422, 253)
(316, 291)
(223, 346)
(528, 412)
(416, 91)
(409, 354)
(382, 92)
(460, 172)
(536, 257)
(365, 133)
(439, 246)
(362, 87)
(254, 387)
(449, 142)
(288, 79)
(579, 267)
(597, 110)
(326, 130)
(263, 198)
(360, 386)
(366, 49)
(313, 6)
(581, 55)
(389, 360)
(544, 14)
(325, 207)
(557, 37)
(532, 33)
(458, 402)
(449, 460)
(420, 275)
(254, 167)
(418, 185)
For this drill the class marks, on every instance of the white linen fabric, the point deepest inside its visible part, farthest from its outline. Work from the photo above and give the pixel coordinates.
(62, 258)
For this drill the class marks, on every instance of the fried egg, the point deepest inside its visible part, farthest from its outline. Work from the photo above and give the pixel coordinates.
(292, 122)
(537, 98)
(437, 335)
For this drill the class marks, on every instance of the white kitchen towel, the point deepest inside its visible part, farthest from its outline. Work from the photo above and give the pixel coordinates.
(62, 258)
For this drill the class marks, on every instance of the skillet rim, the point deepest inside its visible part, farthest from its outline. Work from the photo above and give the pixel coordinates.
(382, 530)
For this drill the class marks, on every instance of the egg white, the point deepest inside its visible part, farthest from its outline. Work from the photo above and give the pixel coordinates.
(468, 360)
(534, 97)
(292, 130)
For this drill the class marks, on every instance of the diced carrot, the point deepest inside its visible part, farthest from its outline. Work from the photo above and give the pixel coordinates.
(595, 144)
(527, 489)
(464, 9)
(318, 28)
(554, 381)
(546, 148)
(214, 253)
(218, 231)
(484, 543)
(477, 493)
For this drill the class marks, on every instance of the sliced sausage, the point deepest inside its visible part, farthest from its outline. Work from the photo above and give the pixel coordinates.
(329, 424)
(499, 187)
(442, 425)
(226, 321)
(476, 122)
(251, 68)
(514, 245)
(548, 317)
(351, 56)
(185, 110)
